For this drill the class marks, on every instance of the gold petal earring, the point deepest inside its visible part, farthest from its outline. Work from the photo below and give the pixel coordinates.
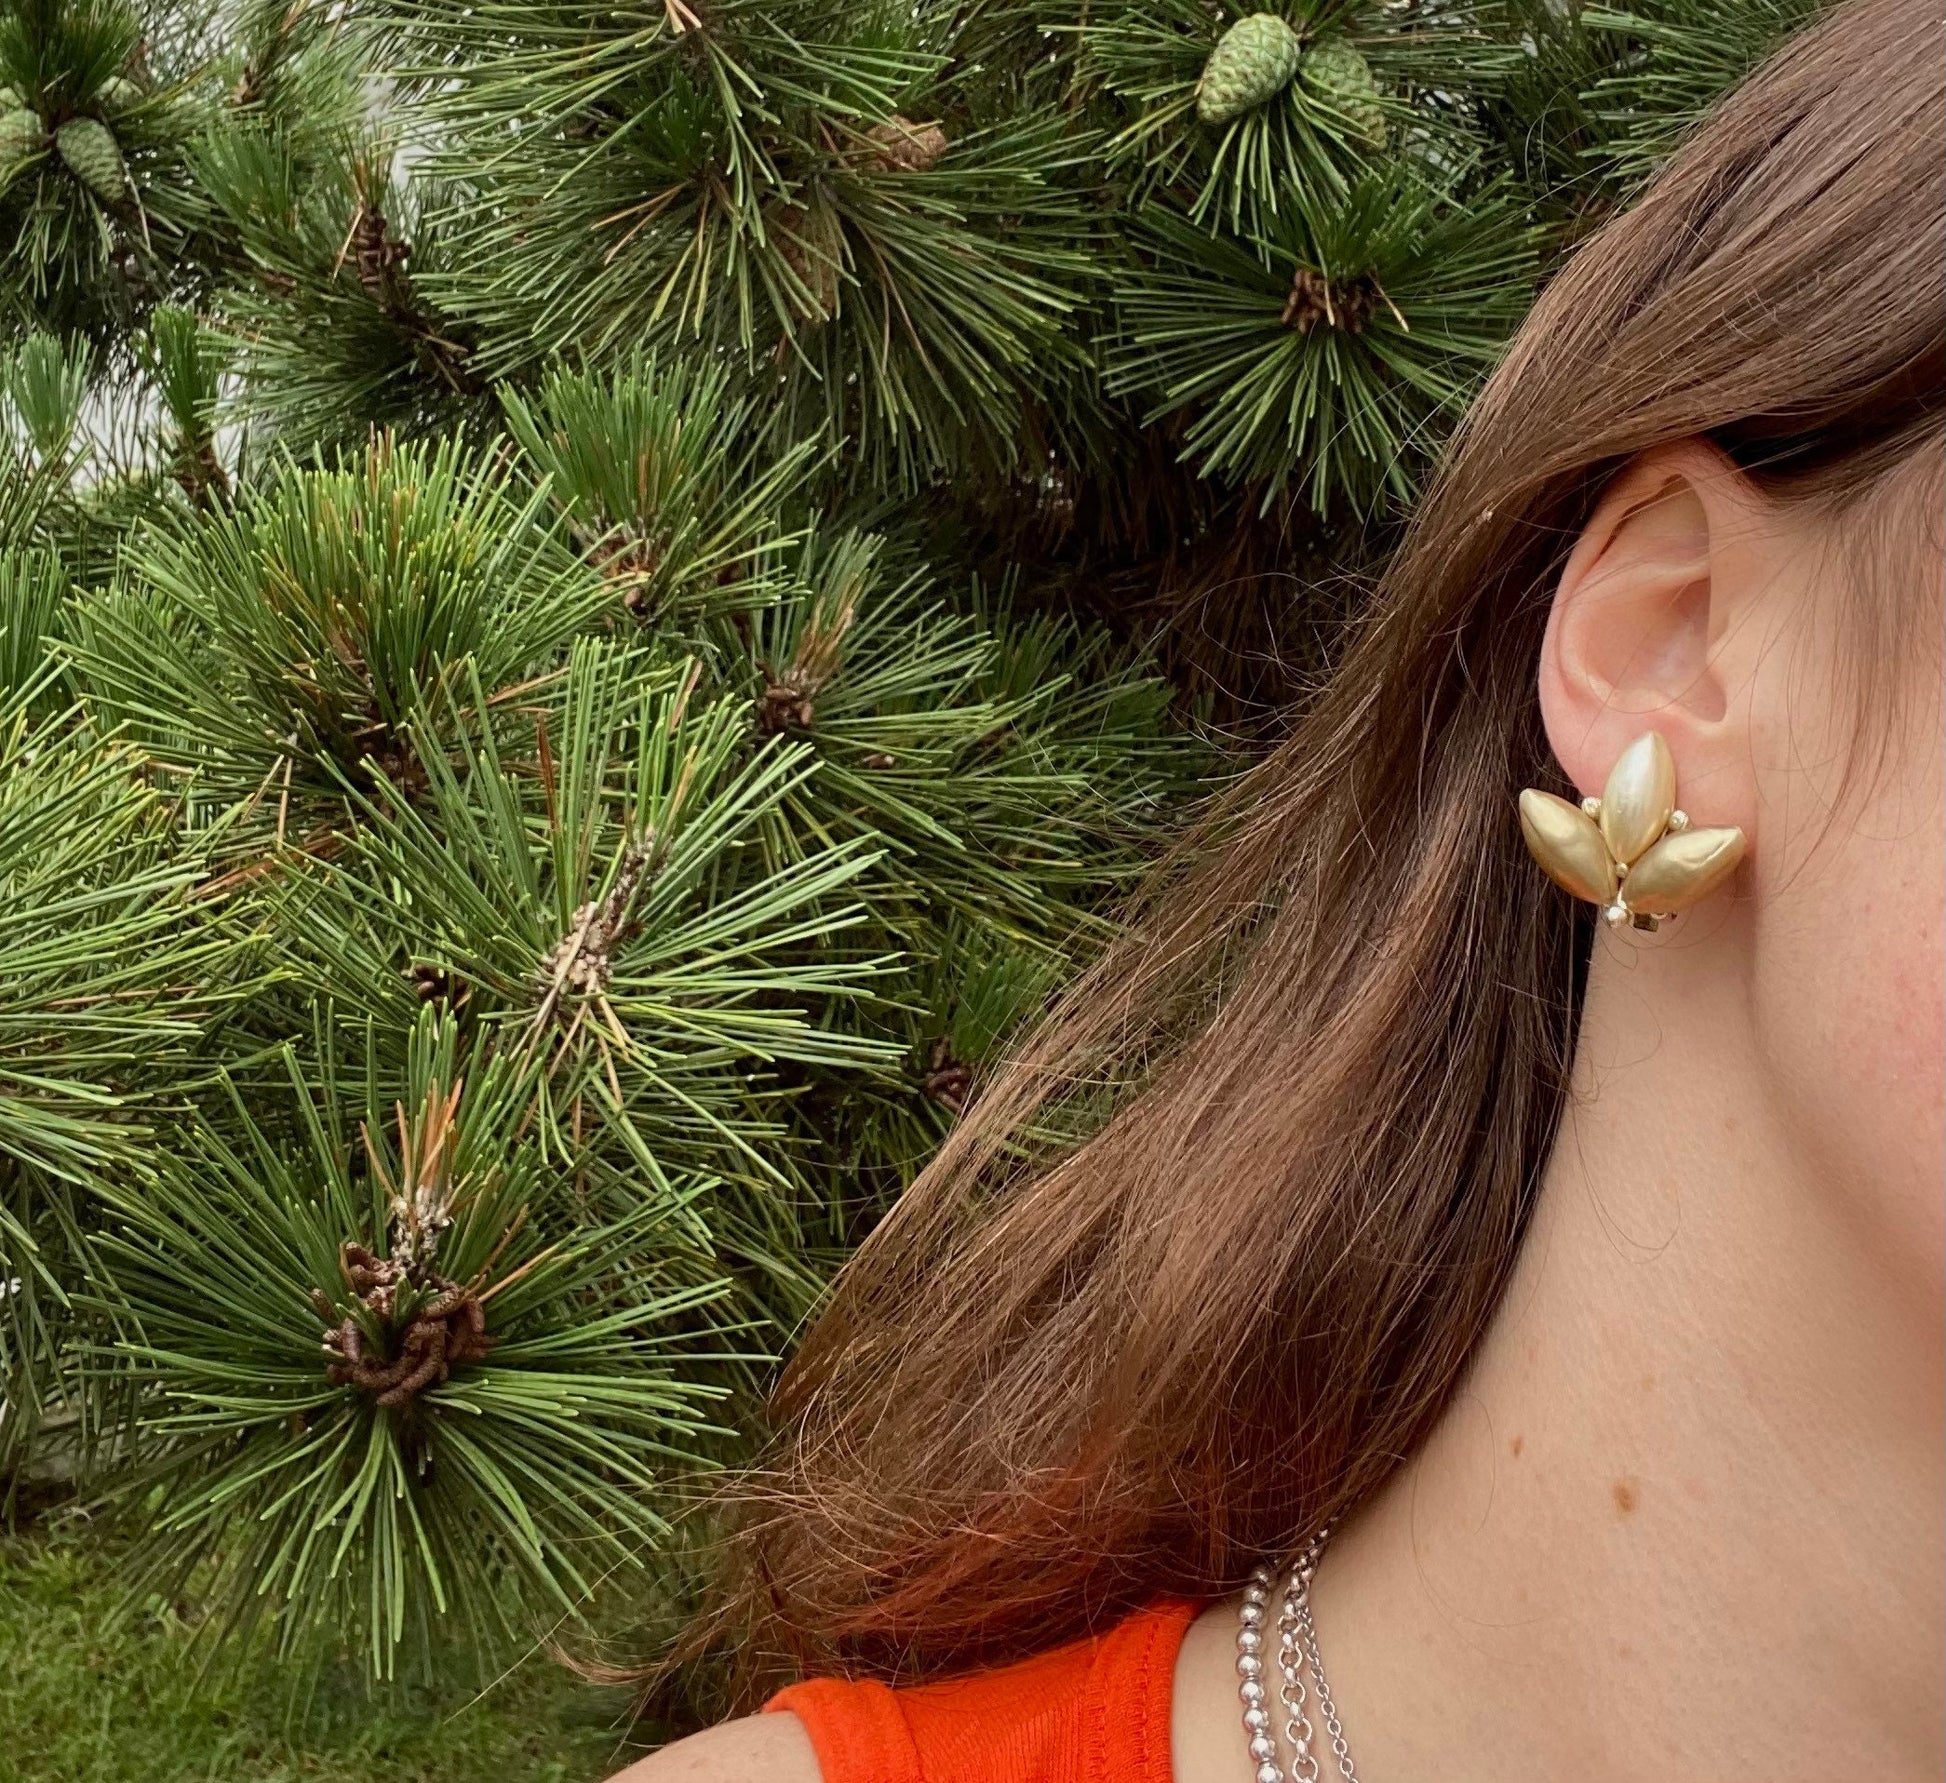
(1630, 851)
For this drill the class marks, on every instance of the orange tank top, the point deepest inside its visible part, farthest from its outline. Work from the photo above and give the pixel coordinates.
(1093, 1712)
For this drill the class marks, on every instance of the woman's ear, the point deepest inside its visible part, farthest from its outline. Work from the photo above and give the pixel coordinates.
(1647, 625)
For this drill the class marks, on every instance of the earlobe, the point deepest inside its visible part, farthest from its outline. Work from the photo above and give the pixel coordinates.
(1642, 608)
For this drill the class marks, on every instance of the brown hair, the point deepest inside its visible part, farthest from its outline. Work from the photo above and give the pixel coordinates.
(1058, 1381)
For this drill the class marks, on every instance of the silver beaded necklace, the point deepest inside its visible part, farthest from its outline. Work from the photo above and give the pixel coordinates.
(1297, 1649)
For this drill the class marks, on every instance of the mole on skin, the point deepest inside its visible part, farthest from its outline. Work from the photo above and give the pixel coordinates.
(1625, 1496)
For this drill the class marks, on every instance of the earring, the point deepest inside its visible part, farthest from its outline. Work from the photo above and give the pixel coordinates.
(1630, 851)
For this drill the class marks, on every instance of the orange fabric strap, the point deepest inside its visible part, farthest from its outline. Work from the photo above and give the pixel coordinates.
(857, 1730)
(1133, 1691)
(1097, 1711)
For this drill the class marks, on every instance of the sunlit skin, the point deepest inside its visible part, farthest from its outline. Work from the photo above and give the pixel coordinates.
(1686, 1521)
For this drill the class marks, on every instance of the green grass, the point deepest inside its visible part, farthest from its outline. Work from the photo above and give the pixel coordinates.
(86, 1697)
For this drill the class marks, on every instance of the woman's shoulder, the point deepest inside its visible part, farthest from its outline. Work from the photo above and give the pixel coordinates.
(774, 1747)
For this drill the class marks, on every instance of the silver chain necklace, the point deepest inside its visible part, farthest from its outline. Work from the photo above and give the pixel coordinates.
(1297, 1649)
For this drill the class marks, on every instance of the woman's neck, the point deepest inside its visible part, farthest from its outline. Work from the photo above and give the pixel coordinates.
(1684, 1519)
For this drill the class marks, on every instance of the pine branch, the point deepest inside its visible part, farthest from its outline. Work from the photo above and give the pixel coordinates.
(376, 1428)
(1332, 350)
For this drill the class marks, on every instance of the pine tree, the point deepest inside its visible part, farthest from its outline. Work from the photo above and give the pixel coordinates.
(595, 604)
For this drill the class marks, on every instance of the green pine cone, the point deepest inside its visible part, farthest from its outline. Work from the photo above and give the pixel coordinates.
(21, 134)
(117, 93)
(94, 157)
(1253, 61)
(1336, 75)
